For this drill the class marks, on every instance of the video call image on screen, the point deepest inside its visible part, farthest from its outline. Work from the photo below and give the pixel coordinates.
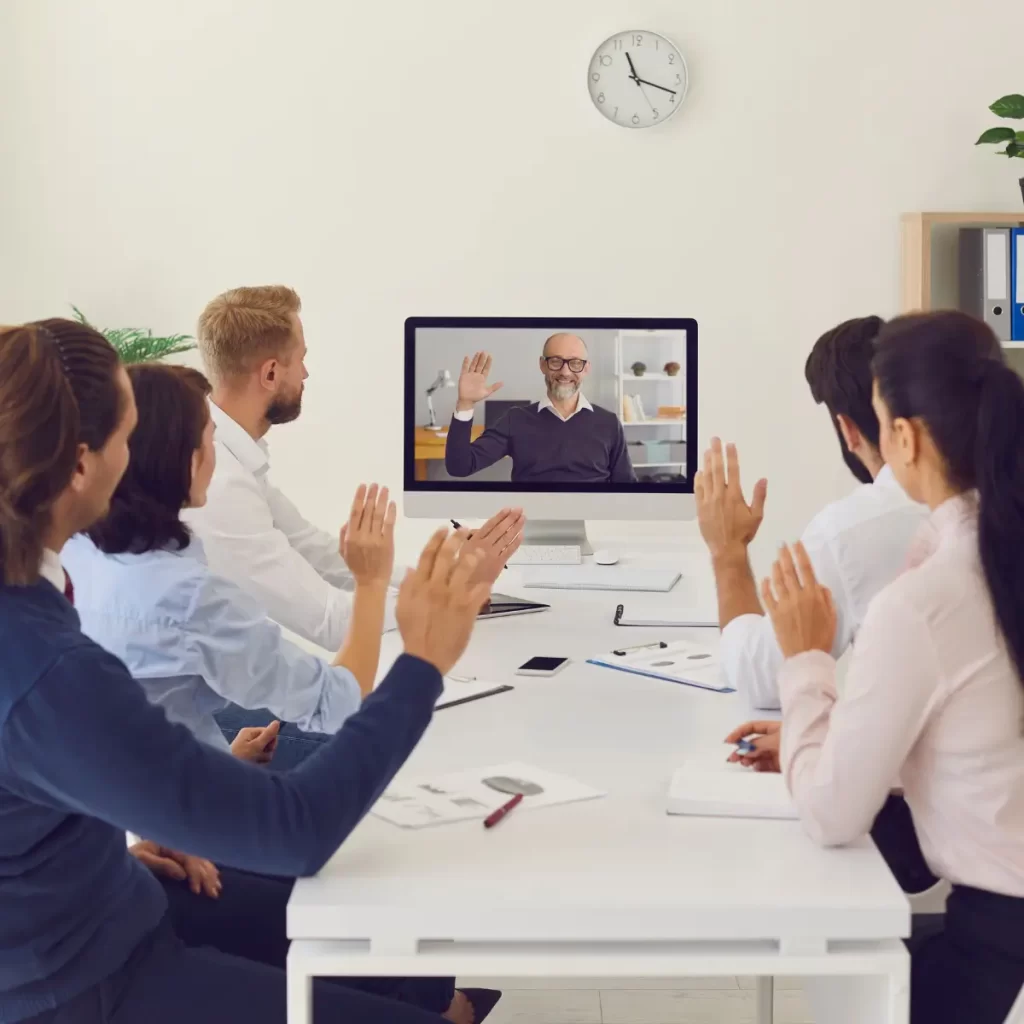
(557, 405)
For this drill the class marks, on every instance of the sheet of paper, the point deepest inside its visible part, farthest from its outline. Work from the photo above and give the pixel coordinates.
(683, 661)
(465, 795)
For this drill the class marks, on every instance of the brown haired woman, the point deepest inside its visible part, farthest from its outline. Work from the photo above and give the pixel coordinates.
(84, 931)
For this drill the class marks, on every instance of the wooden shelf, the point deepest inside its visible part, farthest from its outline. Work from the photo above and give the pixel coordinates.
(919, 253)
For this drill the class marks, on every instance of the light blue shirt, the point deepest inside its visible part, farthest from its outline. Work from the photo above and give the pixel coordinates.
(197, 643)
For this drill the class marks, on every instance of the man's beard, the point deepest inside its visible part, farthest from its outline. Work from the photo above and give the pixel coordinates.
(561, 390)
(853, 464)
(284, 410)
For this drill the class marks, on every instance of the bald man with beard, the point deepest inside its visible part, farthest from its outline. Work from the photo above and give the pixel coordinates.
(562, 439)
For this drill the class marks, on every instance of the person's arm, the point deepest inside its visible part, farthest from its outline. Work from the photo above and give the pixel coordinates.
(116, 757)
(840, 757)
(238, 529)
(243, 656)
(749, 653)
(463, 456)
(622, 471)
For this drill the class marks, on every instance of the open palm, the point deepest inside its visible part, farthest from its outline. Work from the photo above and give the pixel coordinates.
(473, 386)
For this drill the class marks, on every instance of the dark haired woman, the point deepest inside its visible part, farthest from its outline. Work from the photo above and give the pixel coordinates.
(934, 695)
(85, 935)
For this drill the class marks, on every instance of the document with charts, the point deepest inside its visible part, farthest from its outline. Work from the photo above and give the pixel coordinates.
(465, 795)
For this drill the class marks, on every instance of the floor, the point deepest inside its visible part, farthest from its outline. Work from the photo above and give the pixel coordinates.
(681, 1001)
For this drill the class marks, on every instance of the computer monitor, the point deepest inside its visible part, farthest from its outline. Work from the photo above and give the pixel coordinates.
(592, 420)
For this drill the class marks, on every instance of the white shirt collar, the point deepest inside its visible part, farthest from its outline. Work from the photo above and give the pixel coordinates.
(51, 569)
(252, 454)
(546, 403)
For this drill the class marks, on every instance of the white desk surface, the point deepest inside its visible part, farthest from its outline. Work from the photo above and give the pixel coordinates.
(615, 869)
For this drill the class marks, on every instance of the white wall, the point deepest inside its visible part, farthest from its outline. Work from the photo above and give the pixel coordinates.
(397, 157)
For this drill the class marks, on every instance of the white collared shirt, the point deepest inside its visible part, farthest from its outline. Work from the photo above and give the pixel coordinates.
(544, 403)
(857, 546)
(51, 570)
(255, 537)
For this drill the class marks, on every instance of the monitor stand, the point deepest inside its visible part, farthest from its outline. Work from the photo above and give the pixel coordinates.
(552, 532)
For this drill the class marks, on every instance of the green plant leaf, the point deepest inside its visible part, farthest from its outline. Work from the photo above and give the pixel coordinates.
(996, 135)
(135, 345)
(1009, 106)
(1019, 136)
(1013, 150)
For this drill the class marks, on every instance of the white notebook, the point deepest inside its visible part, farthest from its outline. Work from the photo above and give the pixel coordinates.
(708, 790)
(599, 577)
(665, 615)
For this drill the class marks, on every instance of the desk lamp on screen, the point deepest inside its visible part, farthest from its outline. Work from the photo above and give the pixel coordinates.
(572, 418)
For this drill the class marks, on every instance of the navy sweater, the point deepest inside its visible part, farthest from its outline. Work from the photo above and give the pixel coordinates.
(587, 448)
(85, 757)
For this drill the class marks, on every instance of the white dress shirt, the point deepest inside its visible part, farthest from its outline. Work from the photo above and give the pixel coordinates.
(544, 403)
(932, 697)
(255, 537)
(857, 545)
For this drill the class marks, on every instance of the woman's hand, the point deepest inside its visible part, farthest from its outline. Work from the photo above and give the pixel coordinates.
(202, 875)
(800, 608)
(496, 541)
(765, 738)
(368, 538)
(256, 743)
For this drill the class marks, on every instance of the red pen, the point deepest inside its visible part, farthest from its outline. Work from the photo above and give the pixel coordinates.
(500, 813)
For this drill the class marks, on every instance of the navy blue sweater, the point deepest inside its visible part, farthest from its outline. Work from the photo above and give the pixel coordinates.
(85, 757)
(587, 448)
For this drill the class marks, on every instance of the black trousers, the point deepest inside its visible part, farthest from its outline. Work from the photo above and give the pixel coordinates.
(896, 839)
(969, 967)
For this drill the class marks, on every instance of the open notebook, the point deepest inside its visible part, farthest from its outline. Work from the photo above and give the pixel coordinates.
(710, 789)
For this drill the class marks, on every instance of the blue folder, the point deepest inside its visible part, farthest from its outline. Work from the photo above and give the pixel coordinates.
(1017, 284)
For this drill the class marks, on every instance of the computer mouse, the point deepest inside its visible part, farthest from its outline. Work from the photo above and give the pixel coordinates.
(605, 557)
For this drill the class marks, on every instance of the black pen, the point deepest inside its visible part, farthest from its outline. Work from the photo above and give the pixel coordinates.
(660, 644)
(458, 526)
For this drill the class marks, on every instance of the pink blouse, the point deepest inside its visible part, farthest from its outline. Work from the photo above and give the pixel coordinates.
(932, 703)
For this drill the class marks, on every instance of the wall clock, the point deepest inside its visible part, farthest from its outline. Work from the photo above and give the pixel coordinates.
(637, 79)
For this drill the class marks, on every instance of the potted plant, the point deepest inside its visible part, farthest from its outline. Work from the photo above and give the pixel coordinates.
(638, 369)
(135, 345)
(672, 369)
(1009, 107)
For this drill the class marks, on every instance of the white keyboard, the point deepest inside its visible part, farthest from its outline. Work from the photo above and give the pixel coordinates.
(553, 554)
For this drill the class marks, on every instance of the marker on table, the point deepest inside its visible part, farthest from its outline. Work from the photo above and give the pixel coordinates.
(660, 644)
(492, 819)
(745, 747)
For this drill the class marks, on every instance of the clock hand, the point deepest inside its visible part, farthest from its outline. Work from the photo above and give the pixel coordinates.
(632, 70)
(654, 85)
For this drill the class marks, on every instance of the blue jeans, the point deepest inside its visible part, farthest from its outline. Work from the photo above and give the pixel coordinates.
(293, 745)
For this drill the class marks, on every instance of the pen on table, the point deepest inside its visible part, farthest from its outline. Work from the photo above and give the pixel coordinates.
(492, 819)
(458, 526)
(660, 644)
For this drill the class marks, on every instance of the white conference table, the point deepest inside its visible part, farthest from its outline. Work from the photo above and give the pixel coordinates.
(610, 887)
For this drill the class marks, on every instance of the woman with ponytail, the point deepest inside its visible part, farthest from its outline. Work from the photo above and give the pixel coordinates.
(86, 933)
(934, 695)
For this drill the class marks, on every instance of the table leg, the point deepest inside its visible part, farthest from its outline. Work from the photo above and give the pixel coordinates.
(879, 999)
(300, 996)
(420, 469)
(764, 1012)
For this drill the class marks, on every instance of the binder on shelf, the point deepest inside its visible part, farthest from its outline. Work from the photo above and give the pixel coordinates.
(1017, 284)
(984, 273)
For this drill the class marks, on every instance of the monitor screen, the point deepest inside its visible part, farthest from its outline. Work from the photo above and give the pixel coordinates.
(549, 405)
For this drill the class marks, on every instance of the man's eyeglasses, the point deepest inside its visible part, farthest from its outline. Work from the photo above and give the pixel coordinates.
(557, 362)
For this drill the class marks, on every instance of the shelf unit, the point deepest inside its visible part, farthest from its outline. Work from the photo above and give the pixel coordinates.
(670, 346)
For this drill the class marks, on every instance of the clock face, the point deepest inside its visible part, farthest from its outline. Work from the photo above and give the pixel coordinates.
(637, 79)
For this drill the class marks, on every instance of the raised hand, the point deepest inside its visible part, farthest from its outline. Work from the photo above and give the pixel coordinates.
(473, 386)
(496, 541)
(368, 538)
(727, 523)
(801, 609)
(438, 602)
